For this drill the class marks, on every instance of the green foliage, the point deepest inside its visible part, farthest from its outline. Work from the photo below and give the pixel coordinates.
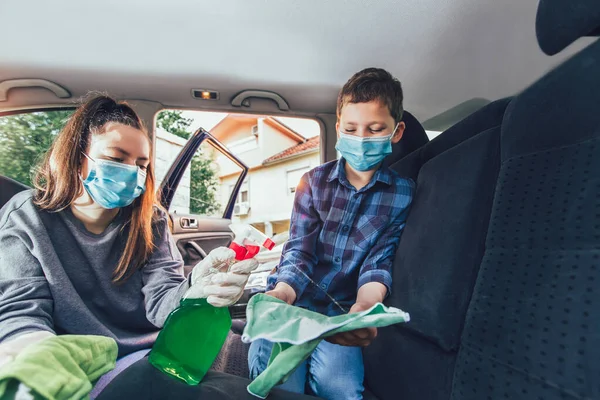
(203, 187)
(24, 138)
(173, 122)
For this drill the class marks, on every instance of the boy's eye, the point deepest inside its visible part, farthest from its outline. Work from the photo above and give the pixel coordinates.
(376, 130)
(350, 130)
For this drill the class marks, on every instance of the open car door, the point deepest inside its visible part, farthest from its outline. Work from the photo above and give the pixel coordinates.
(197, 230)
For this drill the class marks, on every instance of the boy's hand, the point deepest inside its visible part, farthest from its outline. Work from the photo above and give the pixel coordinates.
(368, 295)
(360, 337)
(284, 292)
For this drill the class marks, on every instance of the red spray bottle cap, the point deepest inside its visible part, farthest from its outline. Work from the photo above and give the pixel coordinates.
(247, 241)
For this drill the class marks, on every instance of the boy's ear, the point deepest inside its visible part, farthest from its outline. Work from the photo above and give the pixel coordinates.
(337, 129)
(399, 132)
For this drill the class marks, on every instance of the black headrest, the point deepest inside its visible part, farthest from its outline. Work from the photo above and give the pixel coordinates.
(413, 138)
(561, 22)
(8, 188)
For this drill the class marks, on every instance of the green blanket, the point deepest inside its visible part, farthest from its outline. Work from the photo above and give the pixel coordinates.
(60, 367)
(296, 332)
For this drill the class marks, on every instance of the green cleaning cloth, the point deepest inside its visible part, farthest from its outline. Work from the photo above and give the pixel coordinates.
(60, 367)
(296, 332)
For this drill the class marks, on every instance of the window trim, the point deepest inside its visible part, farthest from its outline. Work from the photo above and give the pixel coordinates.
(34, 110)
(169, 185)
(239, 195)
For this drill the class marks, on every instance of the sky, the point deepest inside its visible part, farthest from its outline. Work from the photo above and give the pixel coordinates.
(208, 120)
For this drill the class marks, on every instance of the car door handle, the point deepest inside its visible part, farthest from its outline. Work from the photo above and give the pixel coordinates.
(188, 223)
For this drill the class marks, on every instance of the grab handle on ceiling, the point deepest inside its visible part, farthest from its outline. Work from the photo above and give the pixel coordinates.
(243, 98)
(8, 85)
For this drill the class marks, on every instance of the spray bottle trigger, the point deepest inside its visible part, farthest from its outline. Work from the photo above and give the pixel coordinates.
(240, 251)
(252, 250)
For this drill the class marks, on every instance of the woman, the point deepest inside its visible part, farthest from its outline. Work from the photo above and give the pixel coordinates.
(89, 251)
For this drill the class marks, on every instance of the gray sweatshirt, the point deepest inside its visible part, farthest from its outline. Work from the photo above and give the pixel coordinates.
(56, 276)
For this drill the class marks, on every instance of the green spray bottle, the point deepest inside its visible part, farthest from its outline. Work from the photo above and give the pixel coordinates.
(195, 332)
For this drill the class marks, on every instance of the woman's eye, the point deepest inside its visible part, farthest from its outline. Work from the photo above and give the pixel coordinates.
(143, 167)
(116, 159)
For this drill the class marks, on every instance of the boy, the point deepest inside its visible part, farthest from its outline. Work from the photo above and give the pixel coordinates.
(345, 227)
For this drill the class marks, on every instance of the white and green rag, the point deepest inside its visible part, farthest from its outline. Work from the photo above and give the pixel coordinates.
(58, 368)
(296, 332)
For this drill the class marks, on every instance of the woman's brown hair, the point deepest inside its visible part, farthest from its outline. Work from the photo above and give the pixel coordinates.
(58, 184)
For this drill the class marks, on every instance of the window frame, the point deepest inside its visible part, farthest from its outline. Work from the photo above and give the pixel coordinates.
(169, 185)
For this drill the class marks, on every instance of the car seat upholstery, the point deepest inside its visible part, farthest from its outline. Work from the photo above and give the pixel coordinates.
(8, 188)
(532, 326)
(413, 138)
(555, 32)
(499, 259)
(438, 257)
(233, 357)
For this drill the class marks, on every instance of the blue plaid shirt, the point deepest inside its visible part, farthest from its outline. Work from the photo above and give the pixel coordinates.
(340, 237)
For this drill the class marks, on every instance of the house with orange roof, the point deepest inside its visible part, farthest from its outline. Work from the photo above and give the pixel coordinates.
(277, 156)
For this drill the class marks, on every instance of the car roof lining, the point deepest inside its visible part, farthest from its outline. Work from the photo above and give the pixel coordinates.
(445, 53)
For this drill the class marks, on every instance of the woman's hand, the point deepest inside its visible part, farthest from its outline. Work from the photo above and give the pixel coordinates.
(10, 349)
(220, 278)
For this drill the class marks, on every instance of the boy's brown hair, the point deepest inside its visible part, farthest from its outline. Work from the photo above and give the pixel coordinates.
(373, 84)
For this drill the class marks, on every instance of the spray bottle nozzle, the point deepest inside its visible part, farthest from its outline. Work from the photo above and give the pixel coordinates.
(248, 241)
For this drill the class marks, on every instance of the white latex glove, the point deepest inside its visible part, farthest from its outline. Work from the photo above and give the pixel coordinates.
(211, 280)
(10, 349)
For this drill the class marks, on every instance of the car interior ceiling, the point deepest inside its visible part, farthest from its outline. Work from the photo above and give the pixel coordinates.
(499, 259)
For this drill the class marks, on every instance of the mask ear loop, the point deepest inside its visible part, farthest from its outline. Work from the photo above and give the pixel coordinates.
(90, 159)
(395, 129)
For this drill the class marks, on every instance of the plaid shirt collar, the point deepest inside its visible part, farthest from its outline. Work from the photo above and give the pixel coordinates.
(383, 174)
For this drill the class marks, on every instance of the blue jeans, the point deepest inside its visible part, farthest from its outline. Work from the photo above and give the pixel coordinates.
(332, 372)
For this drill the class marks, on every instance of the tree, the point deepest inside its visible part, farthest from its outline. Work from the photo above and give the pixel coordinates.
(24, 138)
(173, 122)
(204, 182)
(203, 186)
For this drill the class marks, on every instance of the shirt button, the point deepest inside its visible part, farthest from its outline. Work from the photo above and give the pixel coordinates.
(337, 259)
(323, 286)
(345, 228)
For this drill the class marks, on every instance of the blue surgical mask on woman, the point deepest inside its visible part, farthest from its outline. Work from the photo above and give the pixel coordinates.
(112, 184)
(364, 153)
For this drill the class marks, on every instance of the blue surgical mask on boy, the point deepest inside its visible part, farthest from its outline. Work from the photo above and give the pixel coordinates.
(114, 185)
(364, 153)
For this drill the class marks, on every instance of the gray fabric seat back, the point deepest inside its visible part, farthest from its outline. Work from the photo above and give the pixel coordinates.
(8, 188)
(438, 258)
(414, 138)
(532, 326)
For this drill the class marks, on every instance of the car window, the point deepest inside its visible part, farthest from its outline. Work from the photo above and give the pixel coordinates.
(432, 134)
(276, 150)
(24, 138)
